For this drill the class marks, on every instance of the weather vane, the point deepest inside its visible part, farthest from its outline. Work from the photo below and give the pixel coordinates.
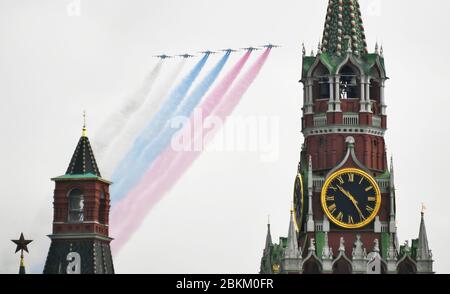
(84, 123)
(21, 246)
(424, 208)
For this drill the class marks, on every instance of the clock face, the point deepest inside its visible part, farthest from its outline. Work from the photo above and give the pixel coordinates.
(298, 201)
(351, 198)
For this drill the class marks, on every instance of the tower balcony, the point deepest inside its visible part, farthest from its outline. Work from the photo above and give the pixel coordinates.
(351, 119)
(348, 119)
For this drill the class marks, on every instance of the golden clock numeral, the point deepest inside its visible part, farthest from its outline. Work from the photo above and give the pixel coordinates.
(333, 188)
(369, 188)
(372, 199)
(369, 209)
(350, 220)
(351, 178)
(330, 198)
(340, 179)
(340, 216)
(362, 179)
(332, 208)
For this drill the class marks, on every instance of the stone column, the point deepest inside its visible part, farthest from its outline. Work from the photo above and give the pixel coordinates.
(309, 95)
(363, 94)
(382, 98)
(337, 96)
(331, 101)
(369, 103)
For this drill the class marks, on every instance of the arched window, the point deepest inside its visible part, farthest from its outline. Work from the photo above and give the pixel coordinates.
(349, 83)
(76, 205)
(375, 96)
(102, 208)
(321, 88)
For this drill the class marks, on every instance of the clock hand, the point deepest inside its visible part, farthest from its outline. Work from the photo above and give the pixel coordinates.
(353, 200)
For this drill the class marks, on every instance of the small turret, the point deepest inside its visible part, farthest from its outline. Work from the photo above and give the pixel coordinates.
(292, 260)
(266, 260)
(424, 257)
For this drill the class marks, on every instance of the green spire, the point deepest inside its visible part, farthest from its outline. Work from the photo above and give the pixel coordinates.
(344, 29)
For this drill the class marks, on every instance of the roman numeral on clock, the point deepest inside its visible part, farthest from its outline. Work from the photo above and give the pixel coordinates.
(371, 199)
(369, 188)
(369, 209)
(333, 188)
(330, 198)
(340, 216)
(332, 208)
(340, 179)
(350, 220)
(351, 178)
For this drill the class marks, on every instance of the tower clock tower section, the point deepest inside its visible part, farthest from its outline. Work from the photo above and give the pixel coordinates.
(80, 242)
(344, 194)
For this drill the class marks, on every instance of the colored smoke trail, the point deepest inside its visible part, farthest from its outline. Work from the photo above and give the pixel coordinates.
(122, 142)
(156, 124)
(114, 124)
(135, 172)
(127, 215)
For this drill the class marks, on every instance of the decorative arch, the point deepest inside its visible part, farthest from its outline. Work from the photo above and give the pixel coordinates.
(312, 266)
(315, 65)
(342, 265)
(406, 266)
(349, 81)
(320, 76)
(76, 205)
(381, 69)
(350, 60)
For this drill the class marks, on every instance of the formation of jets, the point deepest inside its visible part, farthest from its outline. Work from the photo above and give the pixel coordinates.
(229, 50)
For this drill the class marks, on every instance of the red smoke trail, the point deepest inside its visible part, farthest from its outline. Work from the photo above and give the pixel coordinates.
(128, 214)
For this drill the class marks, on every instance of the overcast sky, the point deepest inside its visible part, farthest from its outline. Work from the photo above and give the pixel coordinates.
(55, 62)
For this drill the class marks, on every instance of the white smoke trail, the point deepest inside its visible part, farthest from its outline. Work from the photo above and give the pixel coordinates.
(123, 140)
(116, 121)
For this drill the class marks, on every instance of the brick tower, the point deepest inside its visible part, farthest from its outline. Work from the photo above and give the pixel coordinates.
(344, 216)
(80, 240)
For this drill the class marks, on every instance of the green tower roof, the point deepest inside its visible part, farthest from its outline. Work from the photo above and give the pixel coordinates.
(344, 28)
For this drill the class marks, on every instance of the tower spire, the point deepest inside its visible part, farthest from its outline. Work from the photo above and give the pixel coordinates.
(84, 132)
(343, 20)
(424, 257)
(423, 250)
(292, 250)
(392, 222)
(83, 159)
(268, 238)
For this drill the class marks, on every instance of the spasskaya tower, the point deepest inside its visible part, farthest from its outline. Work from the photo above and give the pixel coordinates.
(344, 215)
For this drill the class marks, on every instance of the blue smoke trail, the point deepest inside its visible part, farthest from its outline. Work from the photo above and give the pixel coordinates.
(156, 146)
(164, 113)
